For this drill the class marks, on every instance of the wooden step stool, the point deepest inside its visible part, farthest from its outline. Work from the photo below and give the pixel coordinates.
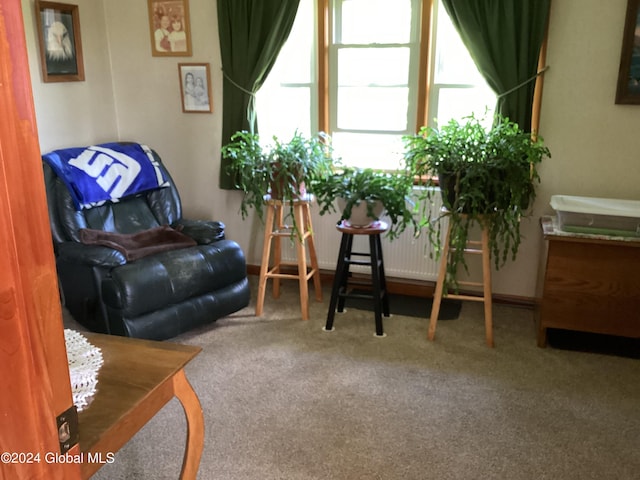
(475, 248)
(302, 238)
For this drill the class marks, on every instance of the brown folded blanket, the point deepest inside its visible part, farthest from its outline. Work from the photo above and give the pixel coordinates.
(137, 245)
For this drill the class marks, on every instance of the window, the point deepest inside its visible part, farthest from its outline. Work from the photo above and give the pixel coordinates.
(288, 100)
(457, 88)
(373, 54)
(373, 89)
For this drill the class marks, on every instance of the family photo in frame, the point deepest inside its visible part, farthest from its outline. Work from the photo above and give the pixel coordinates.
(628, 91)
(59, 39)
(169, 27)
(195, 87)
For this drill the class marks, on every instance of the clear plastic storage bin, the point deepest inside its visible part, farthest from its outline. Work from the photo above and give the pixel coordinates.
(600, 216)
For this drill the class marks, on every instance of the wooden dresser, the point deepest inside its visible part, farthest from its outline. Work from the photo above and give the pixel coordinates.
(590, 283)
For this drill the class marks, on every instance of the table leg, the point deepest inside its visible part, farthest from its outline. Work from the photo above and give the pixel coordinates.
(195, 425)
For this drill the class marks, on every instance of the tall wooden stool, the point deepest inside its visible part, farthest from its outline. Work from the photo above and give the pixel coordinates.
(275, 230)
(475, 248)
(341, 282)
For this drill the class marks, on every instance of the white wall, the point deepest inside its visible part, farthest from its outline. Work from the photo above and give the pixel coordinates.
(594, 143)
(148, 105)
(596, 147)
(131, 95)
(74, 113)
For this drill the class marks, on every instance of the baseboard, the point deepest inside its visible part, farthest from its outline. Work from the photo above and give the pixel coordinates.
(414, 288)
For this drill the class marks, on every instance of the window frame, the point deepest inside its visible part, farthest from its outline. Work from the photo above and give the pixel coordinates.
(336, 45)
(425, 67)
(423, 63)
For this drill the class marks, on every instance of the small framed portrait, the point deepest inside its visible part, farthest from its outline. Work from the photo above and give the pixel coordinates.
(60, 44)
(628, 91)
(195, 87)
(169, 27)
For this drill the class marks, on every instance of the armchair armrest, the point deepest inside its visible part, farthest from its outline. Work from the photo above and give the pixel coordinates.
(90, 255)
(202, 231)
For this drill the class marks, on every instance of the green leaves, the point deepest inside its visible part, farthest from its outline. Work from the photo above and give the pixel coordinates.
(357, 185)
(282, 167)
(494, 172)
(495, 175)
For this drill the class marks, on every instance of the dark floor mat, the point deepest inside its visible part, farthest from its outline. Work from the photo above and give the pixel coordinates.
(409, 305)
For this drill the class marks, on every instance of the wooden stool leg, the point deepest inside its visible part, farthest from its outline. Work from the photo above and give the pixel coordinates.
(302, 264)
(277, 250)
(375, 277)
(437, 296)
(344, 276)
(317, 285)
(337, 281)
(264, 266)
(383, 279)
(486, 281)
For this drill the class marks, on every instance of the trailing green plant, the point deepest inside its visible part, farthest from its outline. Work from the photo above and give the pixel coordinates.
(486, 176)
(356, 185)
(280, 169)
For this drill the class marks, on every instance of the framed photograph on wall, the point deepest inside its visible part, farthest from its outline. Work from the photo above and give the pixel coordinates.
(195, 87)
(60, 45)
(169, 27)
(628, 91)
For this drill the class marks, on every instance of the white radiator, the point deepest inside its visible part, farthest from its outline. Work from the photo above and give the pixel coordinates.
(405, 257)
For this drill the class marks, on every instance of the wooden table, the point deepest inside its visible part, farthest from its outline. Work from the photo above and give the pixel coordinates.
(591, 284)
(137, 379)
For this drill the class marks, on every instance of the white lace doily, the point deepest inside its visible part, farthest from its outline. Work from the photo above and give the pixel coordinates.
(84, 362)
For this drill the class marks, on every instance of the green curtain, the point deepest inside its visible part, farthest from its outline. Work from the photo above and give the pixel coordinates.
(504, 39)
(252, 33)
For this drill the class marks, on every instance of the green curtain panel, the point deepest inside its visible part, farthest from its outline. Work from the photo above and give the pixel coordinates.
(252, 33)
(504, 38)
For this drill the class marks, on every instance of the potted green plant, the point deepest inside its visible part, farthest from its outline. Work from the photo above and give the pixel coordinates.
(484, 174)
(280, 169)
(376, 192)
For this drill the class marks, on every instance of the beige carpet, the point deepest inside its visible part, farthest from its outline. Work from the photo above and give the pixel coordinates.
(283, 399)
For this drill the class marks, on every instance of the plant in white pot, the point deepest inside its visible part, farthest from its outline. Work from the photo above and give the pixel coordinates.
(364, 195)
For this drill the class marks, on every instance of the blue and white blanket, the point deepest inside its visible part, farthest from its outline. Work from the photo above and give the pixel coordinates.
(107, 172)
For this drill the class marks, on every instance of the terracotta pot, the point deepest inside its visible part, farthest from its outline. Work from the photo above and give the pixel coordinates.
(276, 189)
(278, 186)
